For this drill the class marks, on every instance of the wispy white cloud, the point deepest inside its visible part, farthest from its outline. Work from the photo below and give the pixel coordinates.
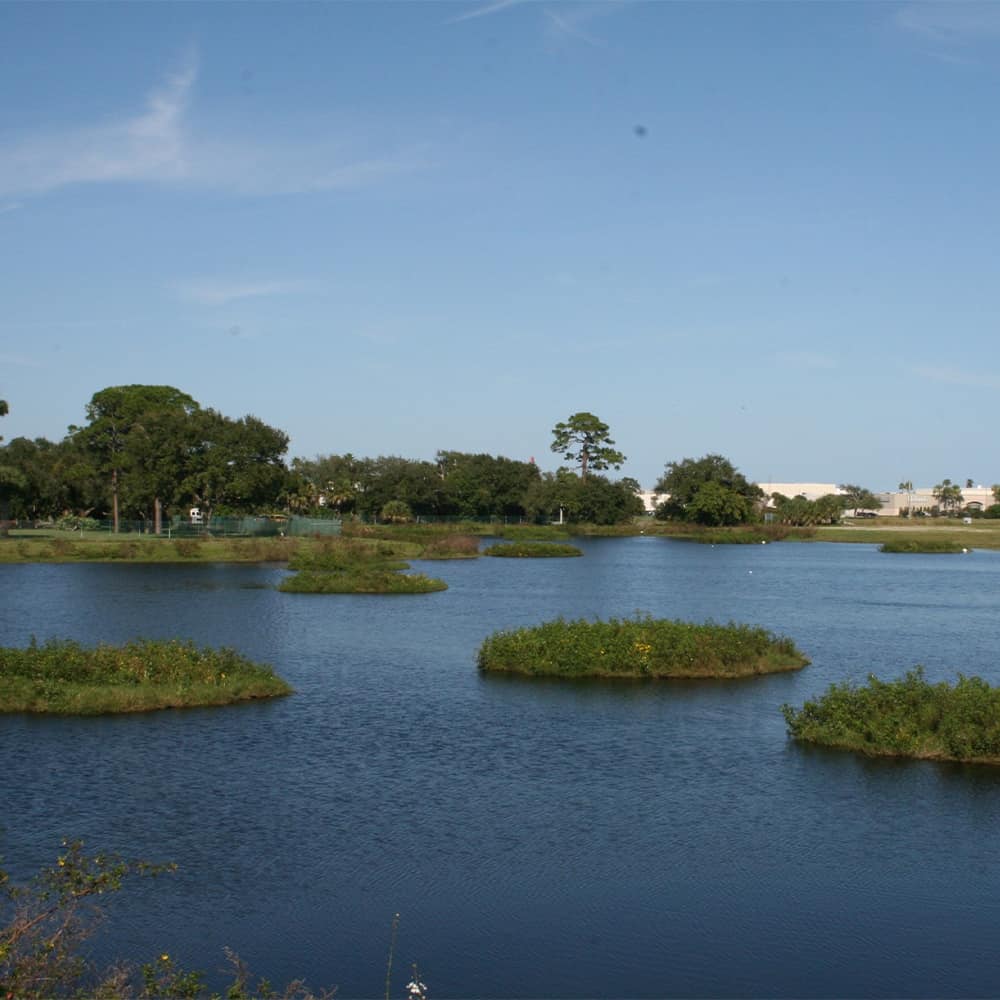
(160, 145)
(220, 292)
(955, 376)
(484, 10)
(563, 20)
(10, 206)
(806, 359)
(149, 146)
(568, 21)
(953, 22)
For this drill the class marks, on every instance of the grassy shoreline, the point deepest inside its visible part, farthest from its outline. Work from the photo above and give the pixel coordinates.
(461, 540)
(637, 648)
(62, 677)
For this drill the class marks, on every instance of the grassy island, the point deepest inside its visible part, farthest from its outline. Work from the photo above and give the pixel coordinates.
(357, 566)
(65, 678)
(638, 647)
(946, 545)
(369, 581)
(532, 550)
(909, 717)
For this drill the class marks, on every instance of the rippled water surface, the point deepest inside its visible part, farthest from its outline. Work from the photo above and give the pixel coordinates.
(538, 839)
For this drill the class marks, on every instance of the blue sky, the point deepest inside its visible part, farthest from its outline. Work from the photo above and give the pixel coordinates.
(767, 230)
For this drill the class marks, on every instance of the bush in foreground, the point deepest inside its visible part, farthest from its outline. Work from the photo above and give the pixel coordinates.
(45, 924)
(639, 647)
(65, 678)
(909, 717)
(532, 550)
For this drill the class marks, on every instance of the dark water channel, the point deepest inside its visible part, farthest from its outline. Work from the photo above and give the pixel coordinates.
(538, 839)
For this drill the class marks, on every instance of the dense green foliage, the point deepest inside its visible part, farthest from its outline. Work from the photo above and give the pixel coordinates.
(483, 486)
(927, 544)
(532, 550)
(708, 491)
(858, 498)
(909, 717)
(457, 485)
(639, 647)
(66, 678)
(800, 511)
(586, 441)
(45, 924)
(565, 496)
(149, 452)
(146, 449)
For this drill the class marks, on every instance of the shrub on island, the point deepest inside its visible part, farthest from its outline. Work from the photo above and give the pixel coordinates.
(65, 678)
(532, 550)
(639, 647)
(922, 545)
(909, 717)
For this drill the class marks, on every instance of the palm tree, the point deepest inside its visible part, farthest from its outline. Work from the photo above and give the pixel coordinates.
(907, 487)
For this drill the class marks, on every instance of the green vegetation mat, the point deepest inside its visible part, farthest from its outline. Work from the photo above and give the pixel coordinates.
(357, 566)
(66, 678)
(739, 535)
(369, 581)
(639, 647)
(909, 717)
(946, 545)
(145, 549)
(452, 547)
(983, 533)
(532, 550)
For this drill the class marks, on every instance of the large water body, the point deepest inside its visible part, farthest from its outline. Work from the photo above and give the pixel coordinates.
(538, 838)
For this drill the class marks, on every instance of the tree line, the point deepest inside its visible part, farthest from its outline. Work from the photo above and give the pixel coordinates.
(146, 452)
(149, 451)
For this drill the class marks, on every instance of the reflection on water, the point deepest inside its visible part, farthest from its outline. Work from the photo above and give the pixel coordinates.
(539, 839)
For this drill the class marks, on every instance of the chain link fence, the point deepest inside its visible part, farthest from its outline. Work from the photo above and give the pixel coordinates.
(215, 527)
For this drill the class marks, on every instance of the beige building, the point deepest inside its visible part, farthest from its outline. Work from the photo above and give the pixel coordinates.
(811, 491)
(976, 497)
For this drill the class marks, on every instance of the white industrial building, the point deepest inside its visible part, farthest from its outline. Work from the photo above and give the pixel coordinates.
(893, 502)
